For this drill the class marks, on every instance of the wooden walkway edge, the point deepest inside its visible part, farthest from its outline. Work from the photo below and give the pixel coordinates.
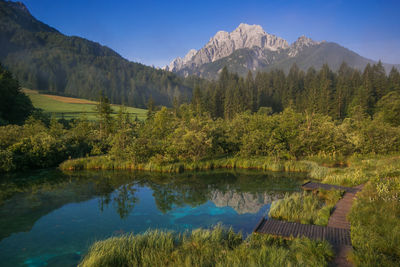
(337, 232)
(335, 236)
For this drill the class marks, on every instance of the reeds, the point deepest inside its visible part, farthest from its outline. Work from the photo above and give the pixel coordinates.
(306, 207)
(261, 163)
(216, 247)
(375, 223)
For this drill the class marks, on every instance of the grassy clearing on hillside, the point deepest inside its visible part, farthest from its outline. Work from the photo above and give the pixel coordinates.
(216, 247)
(73, 108)
(306, 207)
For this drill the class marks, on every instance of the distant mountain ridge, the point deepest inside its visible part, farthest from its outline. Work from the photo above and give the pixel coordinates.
(42, 58)
(249, 47)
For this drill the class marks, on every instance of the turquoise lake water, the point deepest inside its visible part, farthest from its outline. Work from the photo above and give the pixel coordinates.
(50, 218)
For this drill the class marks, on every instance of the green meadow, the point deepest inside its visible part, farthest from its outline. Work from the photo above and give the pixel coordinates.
(74, 108)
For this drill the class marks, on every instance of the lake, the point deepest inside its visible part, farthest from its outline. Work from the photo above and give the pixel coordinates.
(50, 218)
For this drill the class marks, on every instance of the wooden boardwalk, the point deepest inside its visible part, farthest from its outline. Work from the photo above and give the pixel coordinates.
(335, 236)
(337, 233)
(338, 218)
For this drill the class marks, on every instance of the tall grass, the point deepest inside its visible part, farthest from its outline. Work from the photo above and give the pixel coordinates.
(262, 163)
(306, 207)
(375, 223)
(216, 247)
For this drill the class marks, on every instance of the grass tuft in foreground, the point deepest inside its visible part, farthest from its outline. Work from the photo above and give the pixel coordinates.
(216, 247)
(375, 223)
(306, 207)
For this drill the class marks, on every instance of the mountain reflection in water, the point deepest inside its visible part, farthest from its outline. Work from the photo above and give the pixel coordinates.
(66, 211)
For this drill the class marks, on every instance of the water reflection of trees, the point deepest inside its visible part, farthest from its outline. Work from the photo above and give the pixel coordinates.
(53, 189)
(193, 189)
(125, 200)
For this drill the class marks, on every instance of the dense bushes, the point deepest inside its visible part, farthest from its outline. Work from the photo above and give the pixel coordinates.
(169, 136)
(216, 247)
(37, 145)
(182, 136)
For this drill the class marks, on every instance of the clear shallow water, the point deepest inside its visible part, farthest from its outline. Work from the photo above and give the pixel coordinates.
(49, 218)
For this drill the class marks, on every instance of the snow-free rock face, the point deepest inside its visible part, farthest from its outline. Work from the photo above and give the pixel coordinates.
(250, 48)
(178, 62)
(301, 43)
(224, 44)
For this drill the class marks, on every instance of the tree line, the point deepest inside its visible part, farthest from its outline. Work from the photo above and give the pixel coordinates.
(241, 125)
(325, 92)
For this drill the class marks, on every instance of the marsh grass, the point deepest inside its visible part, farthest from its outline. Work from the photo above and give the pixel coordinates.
(375, 223)
(216, 247)
(375, 215)
(306, 207)
(264, 163)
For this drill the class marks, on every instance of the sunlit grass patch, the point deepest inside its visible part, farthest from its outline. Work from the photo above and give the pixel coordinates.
(306, 207)
(375, 223)
(216, 247)
(74, 108)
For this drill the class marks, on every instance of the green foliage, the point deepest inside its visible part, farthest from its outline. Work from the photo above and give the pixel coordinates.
(216, 247)
(15, 106)
(104, 111)
(375, 223)
(389, 108)
(306, 207)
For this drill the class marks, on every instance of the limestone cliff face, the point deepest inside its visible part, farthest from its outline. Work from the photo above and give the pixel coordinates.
(224, 44)
(243, 202)
(301, 43)
(265, 48)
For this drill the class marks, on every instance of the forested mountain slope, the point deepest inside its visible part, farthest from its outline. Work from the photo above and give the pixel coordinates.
(44, 59)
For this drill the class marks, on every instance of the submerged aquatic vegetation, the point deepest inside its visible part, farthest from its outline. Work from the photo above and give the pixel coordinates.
(216, 247)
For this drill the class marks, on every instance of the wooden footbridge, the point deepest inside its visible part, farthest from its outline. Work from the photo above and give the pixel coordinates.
(337, 232)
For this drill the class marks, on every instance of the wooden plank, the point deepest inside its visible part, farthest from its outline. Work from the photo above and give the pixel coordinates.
(338, 230)
(259, 224)
(335, 236)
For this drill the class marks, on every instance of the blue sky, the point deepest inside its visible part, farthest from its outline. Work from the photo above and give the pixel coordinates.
(155, 32)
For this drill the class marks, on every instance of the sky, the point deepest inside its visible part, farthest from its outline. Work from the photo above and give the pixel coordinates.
(155, 32)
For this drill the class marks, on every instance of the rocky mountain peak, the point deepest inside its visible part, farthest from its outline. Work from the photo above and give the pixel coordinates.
(301, 43)
(223, 44)
(189, 55)
(243, 27)
(178, 62)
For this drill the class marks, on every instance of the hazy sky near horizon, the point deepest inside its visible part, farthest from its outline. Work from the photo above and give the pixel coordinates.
(155, 32)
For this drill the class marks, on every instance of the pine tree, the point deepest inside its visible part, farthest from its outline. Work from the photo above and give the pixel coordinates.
(104, 112)
(379, 81)
(250, 93)
(394, 80)
(197, 100)
(342, 94)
